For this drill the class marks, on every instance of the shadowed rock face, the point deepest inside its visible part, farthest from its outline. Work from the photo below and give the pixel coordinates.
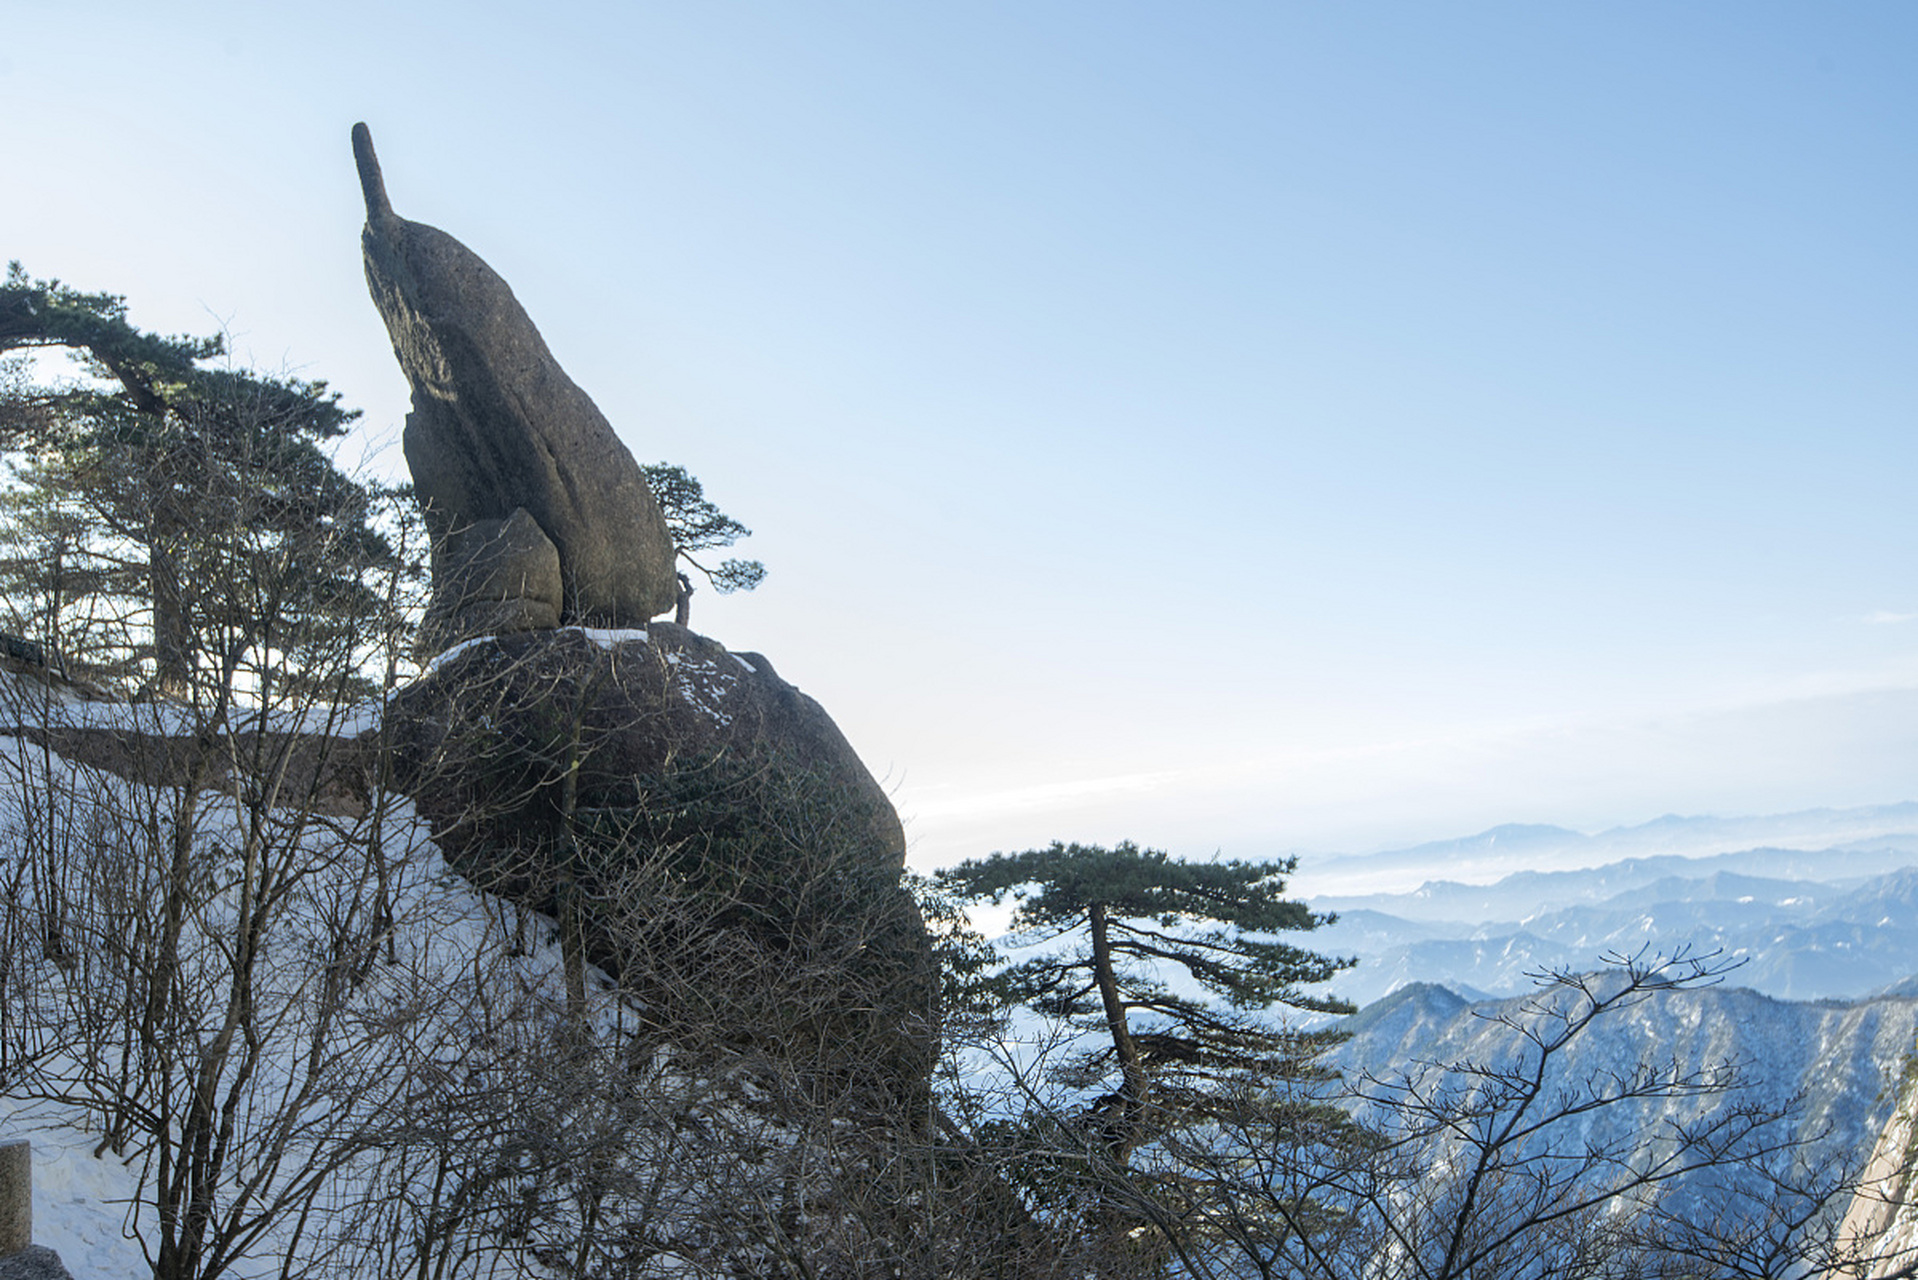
(480, 737)
(493, 576)
(35, 1262)
(713, 829)
(497, 426)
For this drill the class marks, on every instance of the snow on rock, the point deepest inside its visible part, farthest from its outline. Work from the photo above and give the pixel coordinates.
(604, 637)
(445, 656)
(608, 638)
(704, 685)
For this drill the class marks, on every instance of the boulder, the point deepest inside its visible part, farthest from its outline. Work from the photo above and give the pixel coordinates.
(497, 427)
(492, 576)
(35, 1262)
(720, 846)
(641, 704)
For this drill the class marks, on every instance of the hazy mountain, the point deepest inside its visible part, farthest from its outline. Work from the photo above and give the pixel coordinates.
(1519, 895)
(1506, 850)
(1834, 922)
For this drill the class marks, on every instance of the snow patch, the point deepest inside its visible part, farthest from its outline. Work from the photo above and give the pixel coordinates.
(611, 638)
(441, 659)
(704, 685)
(604, 637)
(80, 1201)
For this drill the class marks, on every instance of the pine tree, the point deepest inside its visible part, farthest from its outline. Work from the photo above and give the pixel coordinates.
(196, 507)
(1126, 923)
(698, 525)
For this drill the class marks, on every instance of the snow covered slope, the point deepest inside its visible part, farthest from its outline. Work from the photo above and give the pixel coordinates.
(1840, 1057)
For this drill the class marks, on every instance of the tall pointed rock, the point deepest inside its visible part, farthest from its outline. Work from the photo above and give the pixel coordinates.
(497, 426)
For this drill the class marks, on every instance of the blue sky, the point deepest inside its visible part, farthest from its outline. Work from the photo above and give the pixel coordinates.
(1259, 427)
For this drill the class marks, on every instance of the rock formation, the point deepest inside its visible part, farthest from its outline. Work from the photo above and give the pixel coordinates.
(1880, 1227)
(490, 577)
(498, 431)
(617, 712)
(703, 823)
(697, 826)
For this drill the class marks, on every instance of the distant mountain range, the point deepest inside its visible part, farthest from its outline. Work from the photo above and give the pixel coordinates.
(1834, 916)
(1838, 1058)
(1514, 847)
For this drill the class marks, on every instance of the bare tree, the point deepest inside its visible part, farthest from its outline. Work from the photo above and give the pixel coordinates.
(198, 884)
(1522, 1166)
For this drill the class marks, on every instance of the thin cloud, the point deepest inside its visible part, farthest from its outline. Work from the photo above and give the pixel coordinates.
(1886, 617)
(1040, 797)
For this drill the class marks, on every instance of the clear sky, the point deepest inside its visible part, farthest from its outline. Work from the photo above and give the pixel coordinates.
(1247, 426)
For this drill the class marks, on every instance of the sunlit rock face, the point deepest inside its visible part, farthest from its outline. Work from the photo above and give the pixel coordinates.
(1881, 1223)
(497, 427)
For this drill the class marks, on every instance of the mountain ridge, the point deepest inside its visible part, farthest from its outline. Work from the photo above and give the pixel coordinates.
(1500, 850)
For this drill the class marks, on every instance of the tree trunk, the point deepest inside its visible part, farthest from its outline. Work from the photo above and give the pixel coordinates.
(683, 602)
(172, 633)
(1134, 1089)
(1122, 1255)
